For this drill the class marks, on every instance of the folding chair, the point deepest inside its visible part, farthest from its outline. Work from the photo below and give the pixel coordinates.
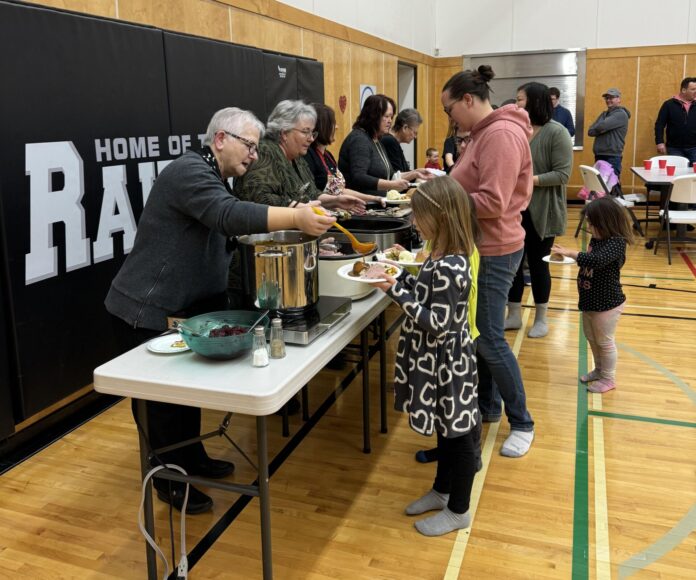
(683, 190)
(594, 183)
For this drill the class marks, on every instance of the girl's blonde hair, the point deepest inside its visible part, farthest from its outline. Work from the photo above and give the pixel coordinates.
(609, 219)
(444, 209)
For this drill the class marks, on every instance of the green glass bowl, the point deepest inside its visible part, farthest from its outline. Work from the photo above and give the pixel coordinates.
(221, 347)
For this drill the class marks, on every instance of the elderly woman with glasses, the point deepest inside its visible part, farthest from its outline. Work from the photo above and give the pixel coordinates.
(404, 130)
(281, 176)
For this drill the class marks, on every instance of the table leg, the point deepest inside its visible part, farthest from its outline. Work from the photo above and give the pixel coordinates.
(383, 371)
(264, 498)
(286, 421)
(305, 403)
(140, 410)
(365, 356)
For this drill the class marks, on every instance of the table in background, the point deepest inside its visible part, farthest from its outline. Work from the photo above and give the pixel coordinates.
(236, 386)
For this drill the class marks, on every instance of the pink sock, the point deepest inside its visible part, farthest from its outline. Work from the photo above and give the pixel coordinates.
(601, 386)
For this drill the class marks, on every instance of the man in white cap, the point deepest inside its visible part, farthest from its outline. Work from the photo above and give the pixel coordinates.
(609, 131)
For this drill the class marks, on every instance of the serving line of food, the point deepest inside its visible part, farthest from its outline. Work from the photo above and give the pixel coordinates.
(282, 275)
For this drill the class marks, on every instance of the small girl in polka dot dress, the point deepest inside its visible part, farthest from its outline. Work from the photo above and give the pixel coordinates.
(599, 285)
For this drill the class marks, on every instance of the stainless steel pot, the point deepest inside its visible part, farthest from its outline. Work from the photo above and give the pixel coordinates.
(385, 231)
(280, 270)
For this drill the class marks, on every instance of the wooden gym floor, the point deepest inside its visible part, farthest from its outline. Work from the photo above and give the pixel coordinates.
(607, 491)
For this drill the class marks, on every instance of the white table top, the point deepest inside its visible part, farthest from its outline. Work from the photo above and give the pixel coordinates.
(190, 379)
(656, 175)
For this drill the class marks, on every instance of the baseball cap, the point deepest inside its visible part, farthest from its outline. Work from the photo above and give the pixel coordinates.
(612, 93)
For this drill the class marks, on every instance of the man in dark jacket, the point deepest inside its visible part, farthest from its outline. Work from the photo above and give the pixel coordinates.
(560, 113)
(609, 131)
(678, 115)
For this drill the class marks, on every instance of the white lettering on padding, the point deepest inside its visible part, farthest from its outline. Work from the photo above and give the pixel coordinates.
(116, 214)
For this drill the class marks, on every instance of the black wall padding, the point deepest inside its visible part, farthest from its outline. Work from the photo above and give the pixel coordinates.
(280, 80)
(204, 76)
(310, 80)
(69, 78)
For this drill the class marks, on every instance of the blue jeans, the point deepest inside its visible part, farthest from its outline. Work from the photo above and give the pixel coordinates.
(613, 160)
(688, 152)
(498, 371)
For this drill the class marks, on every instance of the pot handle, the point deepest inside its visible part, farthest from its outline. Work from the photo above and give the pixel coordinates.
(273, 254)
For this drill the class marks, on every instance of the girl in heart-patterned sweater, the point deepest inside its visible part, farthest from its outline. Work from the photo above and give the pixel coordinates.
(436, 381)
(599, 286)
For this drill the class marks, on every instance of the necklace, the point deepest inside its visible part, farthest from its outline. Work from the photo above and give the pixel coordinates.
(383, 156)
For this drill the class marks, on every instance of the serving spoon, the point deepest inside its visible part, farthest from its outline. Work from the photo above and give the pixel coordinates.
(359, 247)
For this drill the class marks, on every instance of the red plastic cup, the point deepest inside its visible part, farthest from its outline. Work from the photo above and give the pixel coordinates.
(694, 167)
(662, 162)
(670, 169)
(647, 164)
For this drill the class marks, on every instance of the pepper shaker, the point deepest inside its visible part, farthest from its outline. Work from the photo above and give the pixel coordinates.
(277, 339)
(259, 348)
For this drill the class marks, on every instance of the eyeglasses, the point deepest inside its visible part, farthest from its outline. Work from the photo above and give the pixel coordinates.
(414, 130)
(307, 133)
(448, 108)
(250, 145)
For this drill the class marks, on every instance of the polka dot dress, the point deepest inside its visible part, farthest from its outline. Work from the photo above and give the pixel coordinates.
(599, 277)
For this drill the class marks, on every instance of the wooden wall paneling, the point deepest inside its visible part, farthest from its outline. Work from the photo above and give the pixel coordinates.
(265, 33)
(391, 77)
(199, 17)
(439, 75)
(660, 77)
(423, 75)
(105, 8)
(366, 68)
(602, 74)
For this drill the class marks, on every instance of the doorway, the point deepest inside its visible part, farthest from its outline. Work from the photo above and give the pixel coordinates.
(407, 100)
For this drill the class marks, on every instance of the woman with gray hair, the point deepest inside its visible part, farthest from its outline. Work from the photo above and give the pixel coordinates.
(281, 176)
(404, 130)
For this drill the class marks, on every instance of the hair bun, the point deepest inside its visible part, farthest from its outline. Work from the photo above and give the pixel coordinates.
(485, 72)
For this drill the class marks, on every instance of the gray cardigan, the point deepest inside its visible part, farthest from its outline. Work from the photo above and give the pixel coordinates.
(361, 163)
(552, 158)
(180, 255)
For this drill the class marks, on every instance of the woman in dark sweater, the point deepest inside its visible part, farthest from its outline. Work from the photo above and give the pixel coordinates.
(362, 159)
(327, 177)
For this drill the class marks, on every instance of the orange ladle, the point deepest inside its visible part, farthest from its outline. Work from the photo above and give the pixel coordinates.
(359, 247)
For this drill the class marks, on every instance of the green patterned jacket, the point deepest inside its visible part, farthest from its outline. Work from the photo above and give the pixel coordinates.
(273, 180)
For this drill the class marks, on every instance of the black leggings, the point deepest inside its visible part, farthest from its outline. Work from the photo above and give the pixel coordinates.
(535, 249)
(456, 469)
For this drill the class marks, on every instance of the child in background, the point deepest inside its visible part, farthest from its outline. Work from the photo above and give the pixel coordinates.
(433, 156)
(599, 286)
(436, 380)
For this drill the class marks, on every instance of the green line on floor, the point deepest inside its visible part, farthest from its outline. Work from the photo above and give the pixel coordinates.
(581, 535)
(644, 419)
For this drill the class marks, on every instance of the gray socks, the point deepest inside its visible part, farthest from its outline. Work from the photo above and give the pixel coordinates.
(514, 316)
(517, 444)
(432, 500)
(442, 523)
(540, 328)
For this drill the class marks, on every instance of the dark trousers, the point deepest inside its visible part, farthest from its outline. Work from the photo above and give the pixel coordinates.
(456, 468)
(535, 248)
(166, 423)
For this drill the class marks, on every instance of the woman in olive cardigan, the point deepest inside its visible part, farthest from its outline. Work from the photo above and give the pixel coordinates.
(546, 216)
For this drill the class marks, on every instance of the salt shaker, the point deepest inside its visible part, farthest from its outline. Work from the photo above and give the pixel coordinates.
(277, 340)
(259, 348)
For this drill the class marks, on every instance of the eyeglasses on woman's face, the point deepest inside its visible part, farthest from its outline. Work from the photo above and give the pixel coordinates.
(250, 145)
(448, 108)
(308, 133)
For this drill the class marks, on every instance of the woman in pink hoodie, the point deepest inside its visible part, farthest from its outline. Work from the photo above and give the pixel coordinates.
(496, 170)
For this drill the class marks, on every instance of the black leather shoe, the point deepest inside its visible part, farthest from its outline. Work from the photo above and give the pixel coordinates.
(212, 468)
(198, 502)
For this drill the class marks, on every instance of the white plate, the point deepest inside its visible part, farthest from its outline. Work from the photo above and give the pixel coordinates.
(566, 260)
(437, 172)
(381, 257)
(166, 344)
(343, 272)
(402, 201)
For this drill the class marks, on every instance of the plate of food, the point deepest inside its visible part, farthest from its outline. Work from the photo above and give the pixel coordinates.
(556, 258)
(368, 272)
(402, 257)
(168, 344)
(395, 198)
